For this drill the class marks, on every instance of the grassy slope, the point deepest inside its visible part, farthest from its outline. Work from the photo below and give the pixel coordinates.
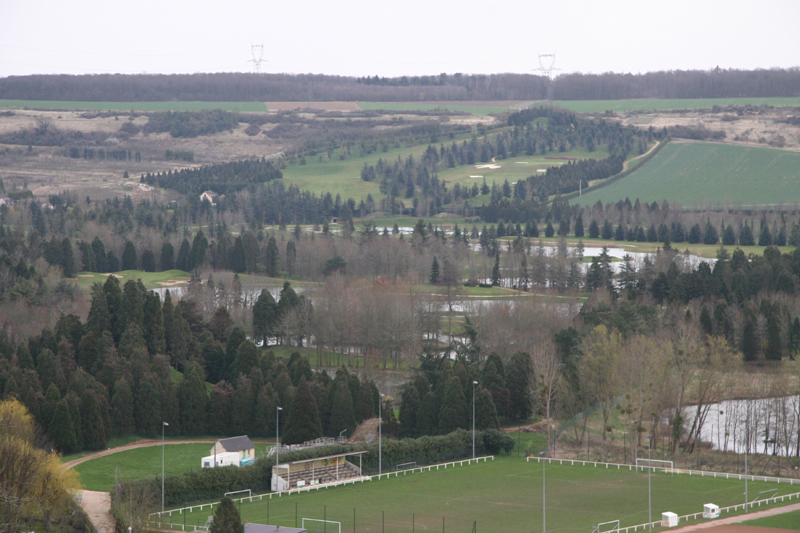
(151, 280)
(136, 106)
(599, 106)
(505, 494)
(695, 173)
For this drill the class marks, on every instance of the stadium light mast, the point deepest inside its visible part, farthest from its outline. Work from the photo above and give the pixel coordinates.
(473, 418)
(163, 425)
(547, 66)
(649, 473)
(380, 443)
(257, 51)
(277, 448)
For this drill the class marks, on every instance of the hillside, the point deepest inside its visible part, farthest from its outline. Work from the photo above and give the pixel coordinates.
(693, 173)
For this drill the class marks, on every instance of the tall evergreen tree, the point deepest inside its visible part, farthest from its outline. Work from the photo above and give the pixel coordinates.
(92, 428)
(49, 405)
(198, 253)
(62, 430)
(147, 407)
(226, 518)
(409, 407)
(122, 418)
(485, 411)
(434, 271)
(303, 421)
(271, 258)
(193, 400)
(129, 258)
(237, 259)
(496, 276)
(518, 381)
(343, 415)
(453, 413)
(99, 250)
(183, 256)
(167, 261)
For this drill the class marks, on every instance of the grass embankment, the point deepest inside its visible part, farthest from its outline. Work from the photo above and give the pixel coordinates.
(253, 107)
(620, 106)
(700, 174)
(501, 107)
(504, 494)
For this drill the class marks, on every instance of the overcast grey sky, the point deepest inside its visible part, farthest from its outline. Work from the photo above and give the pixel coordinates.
(414, 37)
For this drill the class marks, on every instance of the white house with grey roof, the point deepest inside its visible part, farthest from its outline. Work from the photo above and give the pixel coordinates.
(241, 444)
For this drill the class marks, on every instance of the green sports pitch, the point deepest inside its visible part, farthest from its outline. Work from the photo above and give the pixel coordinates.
(501, 495)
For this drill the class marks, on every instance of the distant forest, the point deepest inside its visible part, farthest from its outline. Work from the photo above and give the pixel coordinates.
(241, 87)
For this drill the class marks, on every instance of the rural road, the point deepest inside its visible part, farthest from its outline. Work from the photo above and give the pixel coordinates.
(740, 518)
(625, 164)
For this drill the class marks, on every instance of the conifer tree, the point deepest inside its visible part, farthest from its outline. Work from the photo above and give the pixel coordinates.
(303, 422)
(129, 259)
(193, 400)
(485, 411)
(182, 262)
(226, 518)
(453, 413)
(49, 405)
(496, 277)
(343, 416)
(122, 418)
(271, 258)
(147, 407)
(92, 427)
(62, 430)
(365, 409)
(167, 261)
(434, 271)
(409, 407)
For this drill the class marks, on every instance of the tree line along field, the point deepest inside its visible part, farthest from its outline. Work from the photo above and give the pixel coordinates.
(668, 104)
(694, 174)
(500, 495)
(254, 107)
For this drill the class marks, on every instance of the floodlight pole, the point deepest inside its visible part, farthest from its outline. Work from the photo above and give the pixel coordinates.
(473, 418)
(649, 493)
(380, 443)
(163, 425)
(277, 449)
(544, 499)
(746, 445)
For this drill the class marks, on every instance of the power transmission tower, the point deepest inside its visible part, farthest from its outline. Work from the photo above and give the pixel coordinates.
(547, 66)
(257, 51)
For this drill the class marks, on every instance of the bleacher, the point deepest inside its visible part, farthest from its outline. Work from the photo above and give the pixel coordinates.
(320, 476)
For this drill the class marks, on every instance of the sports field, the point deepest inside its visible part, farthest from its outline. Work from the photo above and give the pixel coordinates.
(500, 495)
(620, 106)
(256, 107)
(695, 173)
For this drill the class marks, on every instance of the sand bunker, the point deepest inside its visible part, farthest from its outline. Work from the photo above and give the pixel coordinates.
(488, 166)
(172, 282)
(521, 163)
(85, 275)
(476, 176)
(541, 170)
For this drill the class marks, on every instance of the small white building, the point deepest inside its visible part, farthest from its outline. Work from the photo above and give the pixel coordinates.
(669, 519)
(220, 459)
(710, 511)
(210, 197)
(242, 445)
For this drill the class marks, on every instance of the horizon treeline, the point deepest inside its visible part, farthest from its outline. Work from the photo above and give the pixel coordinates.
(247, 87)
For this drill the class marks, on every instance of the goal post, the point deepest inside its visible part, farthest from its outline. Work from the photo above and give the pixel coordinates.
(607, 527)
(654, 463)
(244, 493)
(315, 525)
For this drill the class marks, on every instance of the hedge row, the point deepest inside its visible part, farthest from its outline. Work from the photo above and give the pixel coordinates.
(212, 483)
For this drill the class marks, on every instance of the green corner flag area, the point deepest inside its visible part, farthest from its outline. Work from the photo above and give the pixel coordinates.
(500, 495)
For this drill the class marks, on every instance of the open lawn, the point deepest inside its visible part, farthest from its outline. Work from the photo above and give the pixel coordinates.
(620, 106)
(696, 174)
(500, 495)
(151, 280)
(255, 107)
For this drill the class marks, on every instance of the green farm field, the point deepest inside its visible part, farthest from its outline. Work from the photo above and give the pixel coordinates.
(695, 174)
(621, 106)
(500, 495)
(254, 107)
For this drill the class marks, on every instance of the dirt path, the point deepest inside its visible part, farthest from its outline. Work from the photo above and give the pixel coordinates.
(625, 164)
(740, 518)
(97, 506)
